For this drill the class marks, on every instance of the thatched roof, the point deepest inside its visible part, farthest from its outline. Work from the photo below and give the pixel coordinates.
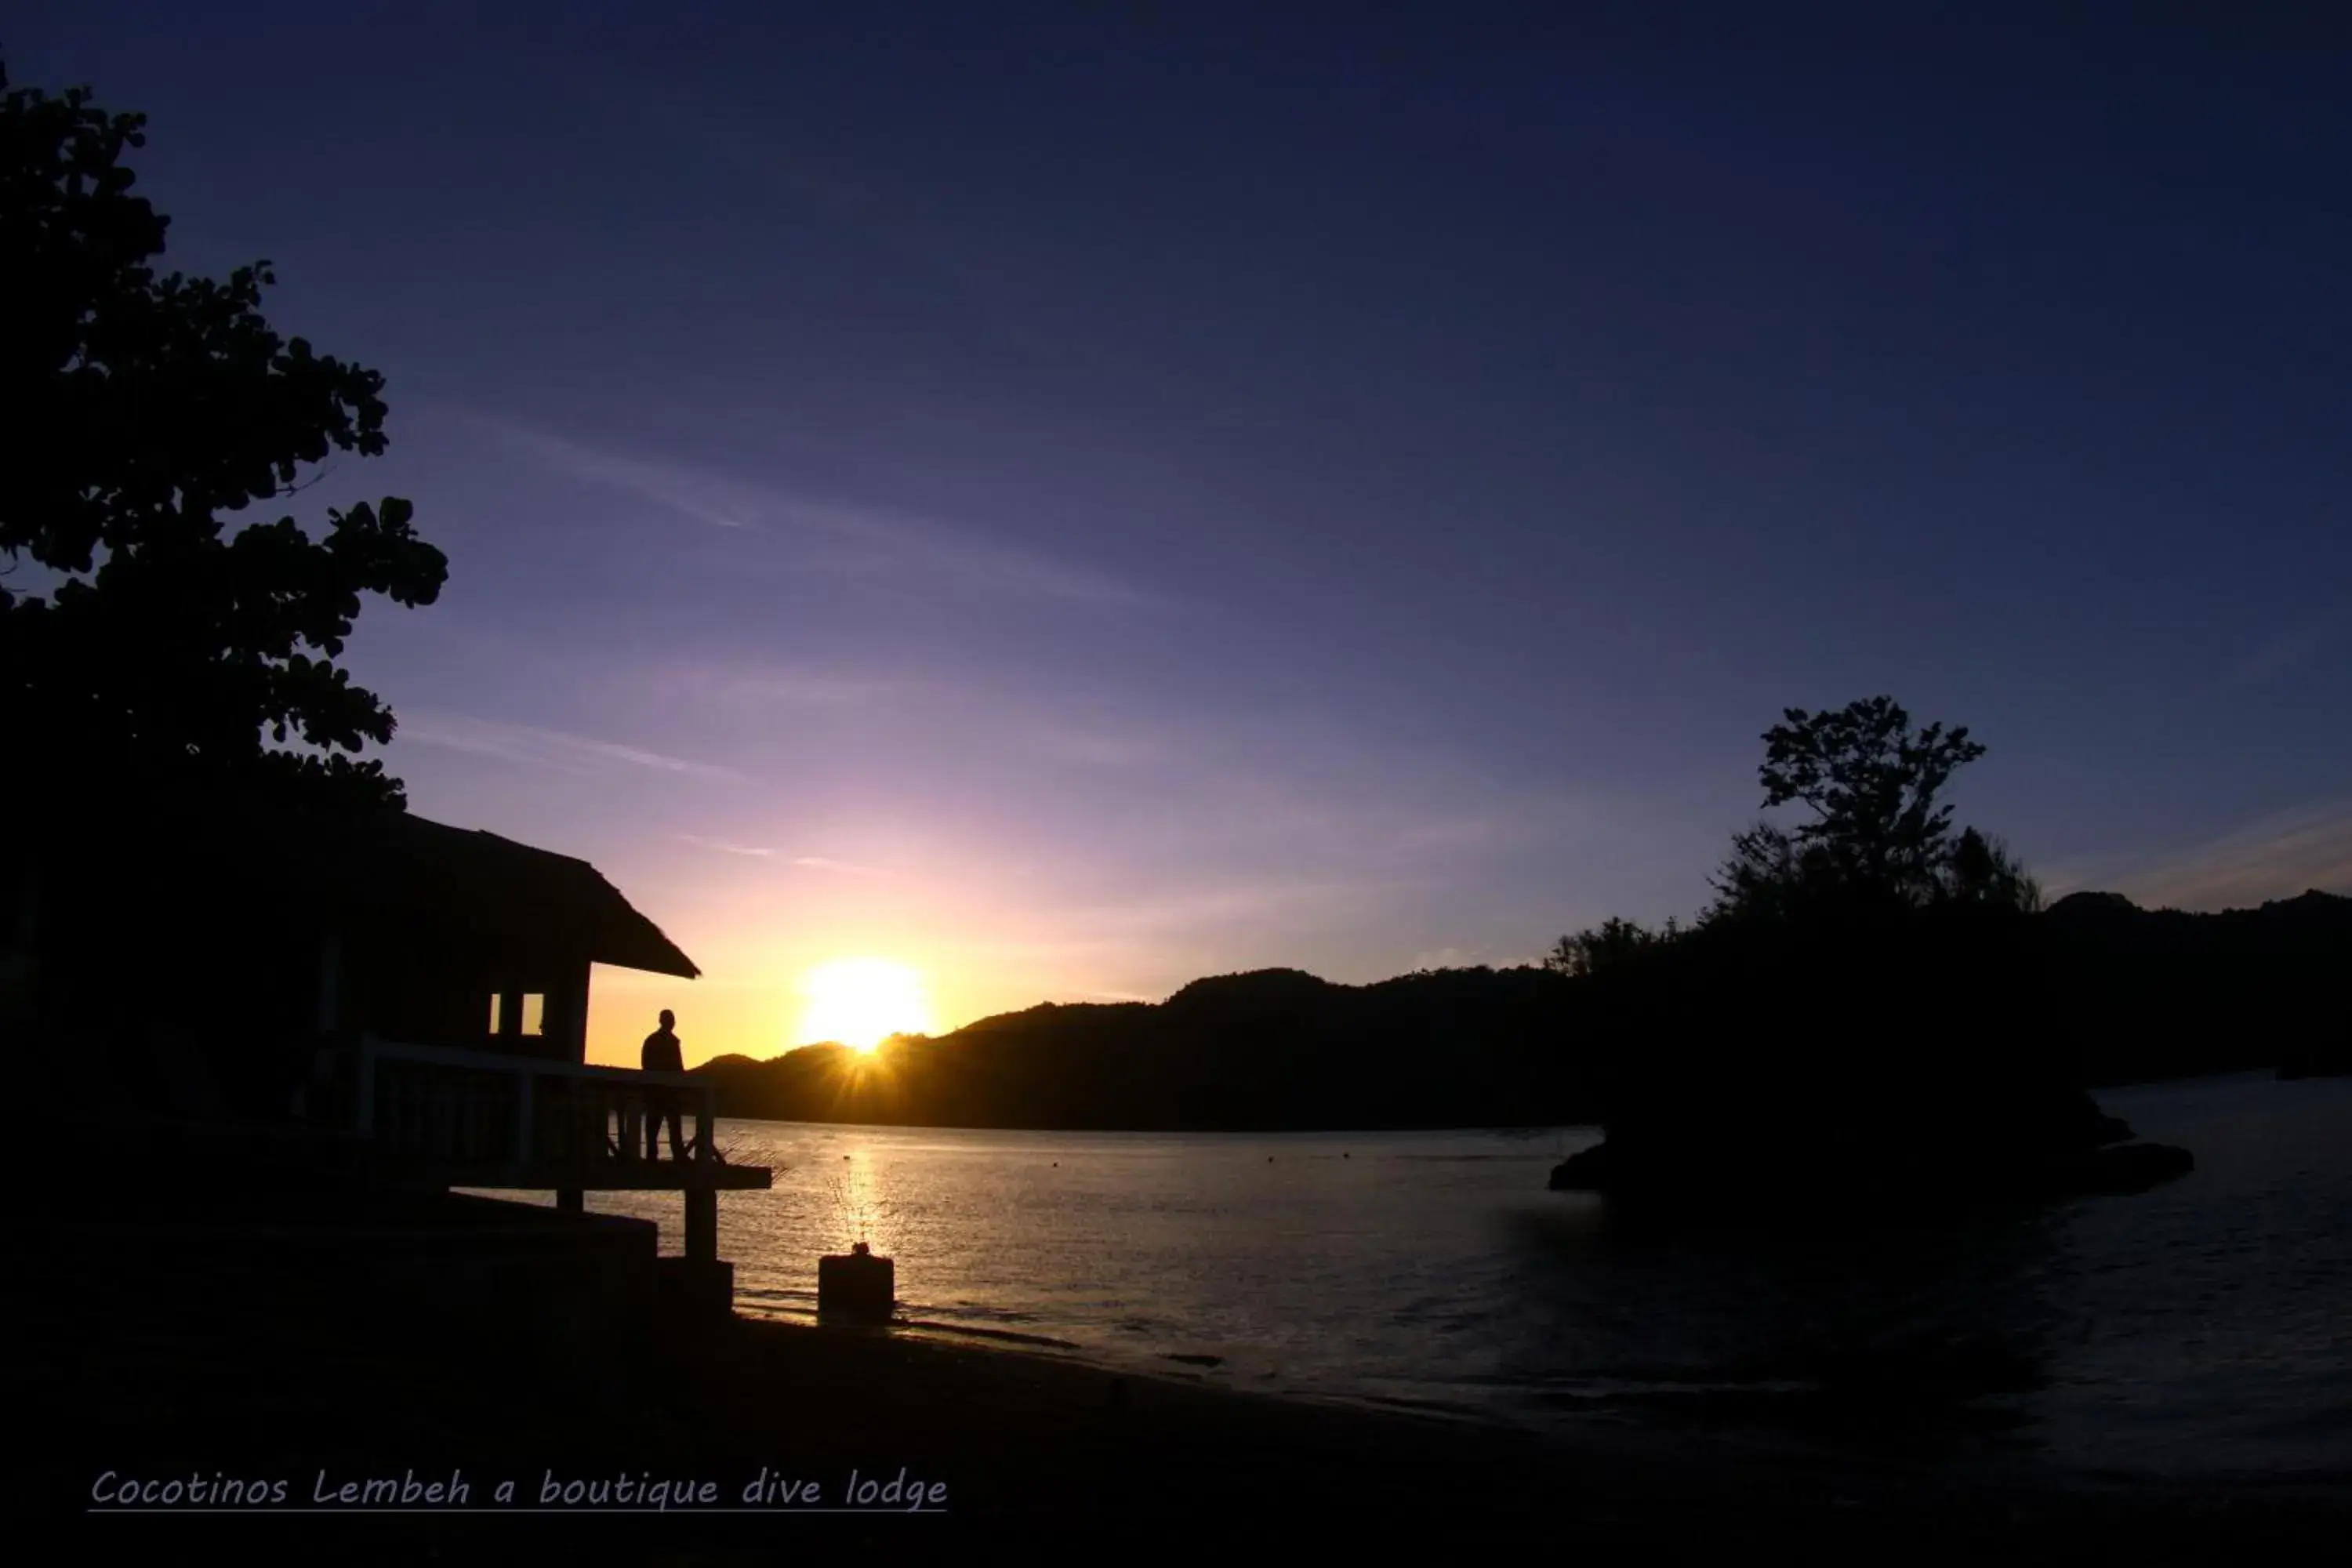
(397, 871)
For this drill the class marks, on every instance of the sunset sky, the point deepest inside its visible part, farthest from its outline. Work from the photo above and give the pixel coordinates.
(1070, 499)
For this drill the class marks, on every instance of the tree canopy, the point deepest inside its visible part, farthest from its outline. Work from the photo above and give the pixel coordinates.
(156, 643)
(1880, 839)
(1605, 947)
(1871, 782)
(1880, 832)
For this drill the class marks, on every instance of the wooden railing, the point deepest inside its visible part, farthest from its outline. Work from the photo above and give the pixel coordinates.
(486, 1120)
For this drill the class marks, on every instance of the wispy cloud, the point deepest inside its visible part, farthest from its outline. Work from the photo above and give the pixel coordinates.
(532, 746)
(878, 539)
(763, 852)
(2283, 652)
(905, 224)
(757, 689)
(2275, 858)
(2287, 648)
(701, 496)
(842, 868)
(897, 221)
(1240, 905)
(723, 846)
(1448, 835)
(1101, 747)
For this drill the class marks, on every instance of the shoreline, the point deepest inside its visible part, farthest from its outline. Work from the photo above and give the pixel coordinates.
(1781, 1448)
(1029, 1447)
(159, 1346)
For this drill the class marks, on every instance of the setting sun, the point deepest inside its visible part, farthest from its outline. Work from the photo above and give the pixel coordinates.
(861, 1002)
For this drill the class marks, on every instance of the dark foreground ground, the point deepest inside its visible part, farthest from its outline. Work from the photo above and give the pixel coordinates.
(220, 1347)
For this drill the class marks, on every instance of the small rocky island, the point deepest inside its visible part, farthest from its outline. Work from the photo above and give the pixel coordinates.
(1936, 1068)
(1875, 1011)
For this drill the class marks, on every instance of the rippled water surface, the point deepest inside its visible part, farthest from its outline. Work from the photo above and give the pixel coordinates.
(2204, 1328)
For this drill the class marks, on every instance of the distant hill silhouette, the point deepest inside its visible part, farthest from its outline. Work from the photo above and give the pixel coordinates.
(2125, 994)
(1274, 1049)
(2162, 993)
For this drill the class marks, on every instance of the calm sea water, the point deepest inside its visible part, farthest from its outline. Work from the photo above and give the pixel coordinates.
(2202, 1329)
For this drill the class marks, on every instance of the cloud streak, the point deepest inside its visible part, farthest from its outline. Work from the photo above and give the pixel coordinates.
(840, 867)
(723, 846)
(877, 539)
(2275, 858)
(1226, 907)
(762, 852)
(2288, 648)
(531, 746)
(758, 688)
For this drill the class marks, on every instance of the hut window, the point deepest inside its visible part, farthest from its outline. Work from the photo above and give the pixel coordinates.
(534, 1013)
(497, 1004)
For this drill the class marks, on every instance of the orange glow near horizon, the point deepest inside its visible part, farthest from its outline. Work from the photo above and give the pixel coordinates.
(861, 1002)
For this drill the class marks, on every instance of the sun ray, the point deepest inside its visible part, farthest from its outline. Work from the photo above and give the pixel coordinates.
(861, 1002)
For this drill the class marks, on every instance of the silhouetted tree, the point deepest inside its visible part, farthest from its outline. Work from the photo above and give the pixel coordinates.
(1981, 873)
(1871, 782)
(1606, 946)
(1880, 835)
(155, 645)
(1769, 875)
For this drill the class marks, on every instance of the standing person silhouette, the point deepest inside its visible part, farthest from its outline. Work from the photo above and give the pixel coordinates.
(661, 1055)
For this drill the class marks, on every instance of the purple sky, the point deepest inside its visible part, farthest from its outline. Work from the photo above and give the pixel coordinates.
(1074, 504)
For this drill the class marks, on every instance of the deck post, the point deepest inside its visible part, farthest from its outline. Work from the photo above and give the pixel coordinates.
(524, 1132)
(364, 1103)
(570, 1200)
(331, 963)
(702, 1223)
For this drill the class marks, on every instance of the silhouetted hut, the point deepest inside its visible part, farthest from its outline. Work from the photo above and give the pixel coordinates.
(451, 996)
(404, 998)
(433, 935)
